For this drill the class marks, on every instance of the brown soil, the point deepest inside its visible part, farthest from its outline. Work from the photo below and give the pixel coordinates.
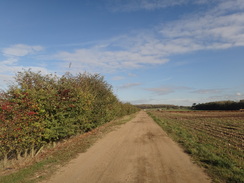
(209, 114)
(139, 152)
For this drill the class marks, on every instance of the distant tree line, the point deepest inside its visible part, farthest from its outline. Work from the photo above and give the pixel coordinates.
(219, 105)
(42, 109)
(159, 106)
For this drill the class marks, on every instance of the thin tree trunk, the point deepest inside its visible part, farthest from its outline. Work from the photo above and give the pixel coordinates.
(18, 154)
(26, 153)
(33, 151)
(39, 150)
(5, 160)
(54, 144)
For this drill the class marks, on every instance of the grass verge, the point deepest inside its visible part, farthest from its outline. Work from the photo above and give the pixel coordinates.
(222, 162)
(50, 160)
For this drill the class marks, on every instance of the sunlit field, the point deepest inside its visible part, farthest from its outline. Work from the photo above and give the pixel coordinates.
(215, 139)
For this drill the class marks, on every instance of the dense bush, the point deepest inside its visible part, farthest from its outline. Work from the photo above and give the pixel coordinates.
(41, 109)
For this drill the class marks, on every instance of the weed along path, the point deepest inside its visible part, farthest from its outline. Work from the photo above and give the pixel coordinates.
(137, 152)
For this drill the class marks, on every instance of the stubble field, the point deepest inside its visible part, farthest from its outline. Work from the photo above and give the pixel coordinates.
(214, 139)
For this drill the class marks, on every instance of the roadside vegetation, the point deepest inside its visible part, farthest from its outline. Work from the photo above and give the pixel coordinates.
(214, 139)
(48, 162)
(39, 111)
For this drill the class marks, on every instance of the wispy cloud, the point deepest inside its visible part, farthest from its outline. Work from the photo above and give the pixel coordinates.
(129, 85)
(116, 78)
(161, 91)
(129, 75)
(132, 75)
(164, 90)
(208, 91)
(128, 5)
(143, 101)
(20, 50)
(135, 5)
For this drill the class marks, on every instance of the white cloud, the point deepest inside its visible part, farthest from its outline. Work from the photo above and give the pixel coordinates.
(20, 50)
(221, 27)
(218, 28)
(12, 64)
(238, 94)
(107, 60)
(5, 81)
(8, 72)
(11, 70)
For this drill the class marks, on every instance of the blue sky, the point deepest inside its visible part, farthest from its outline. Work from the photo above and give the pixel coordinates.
(151, 51)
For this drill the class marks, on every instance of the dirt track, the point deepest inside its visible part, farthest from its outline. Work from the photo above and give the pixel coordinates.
(137, 152)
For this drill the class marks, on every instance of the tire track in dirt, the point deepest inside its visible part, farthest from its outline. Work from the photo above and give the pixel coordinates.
(137, 152)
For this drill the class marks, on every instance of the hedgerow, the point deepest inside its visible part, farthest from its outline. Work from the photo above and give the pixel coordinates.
(42, 109)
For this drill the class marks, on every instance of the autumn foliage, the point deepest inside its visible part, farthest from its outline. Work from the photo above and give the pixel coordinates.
(41, 109)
